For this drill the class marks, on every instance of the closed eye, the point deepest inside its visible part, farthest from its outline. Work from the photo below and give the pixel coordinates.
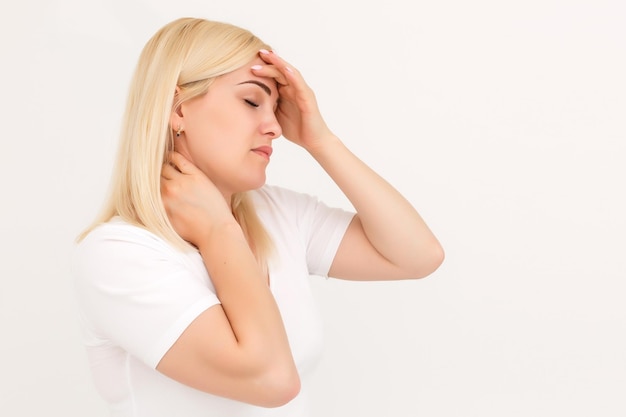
(251, 103)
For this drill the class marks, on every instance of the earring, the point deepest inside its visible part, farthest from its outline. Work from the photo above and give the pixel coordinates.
(180, 129)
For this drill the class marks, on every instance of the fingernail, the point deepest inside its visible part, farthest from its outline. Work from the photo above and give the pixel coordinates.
(264, 51)
(288, 70)
(256, 67)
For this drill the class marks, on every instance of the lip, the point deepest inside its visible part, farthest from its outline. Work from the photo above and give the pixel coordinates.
(265, 151)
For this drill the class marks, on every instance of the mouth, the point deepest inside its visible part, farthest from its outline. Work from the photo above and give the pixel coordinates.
(264, 151)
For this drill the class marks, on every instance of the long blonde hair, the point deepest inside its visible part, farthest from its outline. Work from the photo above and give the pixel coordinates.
(188, 53)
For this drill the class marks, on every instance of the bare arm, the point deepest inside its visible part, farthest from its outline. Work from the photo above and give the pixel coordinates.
(238, 349)
(387, 239)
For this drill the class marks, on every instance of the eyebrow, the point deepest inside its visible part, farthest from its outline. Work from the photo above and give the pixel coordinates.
(260, 84)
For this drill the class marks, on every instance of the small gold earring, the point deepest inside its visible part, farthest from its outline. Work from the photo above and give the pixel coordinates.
(180, 129)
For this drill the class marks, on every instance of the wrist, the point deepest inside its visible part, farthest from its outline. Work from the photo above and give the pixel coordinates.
(326, 144)
(226, 230)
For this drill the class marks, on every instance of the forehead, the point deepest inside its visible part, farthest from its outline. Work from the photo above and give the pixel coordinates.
(244, 73)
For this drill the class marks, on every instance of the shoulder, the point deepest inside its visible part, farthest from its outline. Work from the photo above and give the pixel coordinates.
(274, 194)
(118, 231)
(117, 243)
(276, 205)
(277, 199)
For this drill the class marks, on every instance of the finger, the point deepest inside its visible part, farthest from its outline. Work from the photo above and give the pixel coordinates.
(274, 59)
(181, 163)
(168, 172)
(294, 80)
(269, 71)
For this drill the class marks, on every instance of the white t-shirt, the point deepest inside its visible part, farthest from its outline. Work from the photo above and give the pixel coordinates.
(137, 294)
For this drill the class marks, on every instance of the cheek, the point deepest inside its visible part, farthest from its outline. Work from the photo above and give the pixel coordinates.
(202, 132)
(215, 132)
(211, 146)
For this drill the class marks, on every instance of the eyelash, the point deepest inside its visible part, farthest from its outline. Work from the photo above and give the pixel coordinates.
(251, 103)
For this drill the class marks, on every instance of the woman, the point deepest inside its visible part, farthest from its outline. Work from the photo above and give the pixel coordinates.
(192, 284)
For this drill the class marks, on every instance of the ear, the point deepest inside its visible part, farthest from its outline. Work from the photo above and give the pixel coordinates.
(176, 117)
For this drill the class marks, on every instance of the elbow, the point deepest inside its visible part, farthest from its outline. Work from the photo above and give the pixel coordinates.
(437, 257)
(279, 387)
(429, 261)
(269, 377)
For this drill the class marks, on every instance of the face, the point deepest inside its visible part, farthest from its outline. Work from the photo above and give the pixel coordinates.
(228, 132)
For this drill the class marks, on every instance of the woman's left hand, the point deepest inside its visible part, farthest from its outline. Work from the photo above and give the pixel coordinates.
(297, 112)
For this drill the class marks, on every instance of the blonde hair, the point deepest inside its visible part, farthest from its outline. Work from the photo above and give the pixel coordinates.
(188, 53)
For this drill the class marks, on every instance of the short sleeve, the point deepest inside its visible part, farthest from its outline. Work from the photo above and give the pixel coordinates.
(136, 291)
(327, 228)
(320, 227)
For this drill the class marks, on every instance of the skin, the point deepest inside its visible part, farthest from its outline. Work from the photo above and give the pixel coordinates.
(222, 129)
(247, 355)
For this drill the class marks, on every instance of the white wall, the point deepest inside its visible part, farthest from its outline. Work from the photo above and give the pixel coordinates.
(502, 121)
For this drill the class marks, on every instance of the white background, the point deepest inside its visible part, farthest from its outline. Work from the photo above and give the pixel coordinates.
(502, 121)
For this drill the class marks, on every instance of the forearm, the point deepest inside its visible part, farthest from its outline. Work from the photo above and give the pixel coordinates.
(392, 225)
(245, 296)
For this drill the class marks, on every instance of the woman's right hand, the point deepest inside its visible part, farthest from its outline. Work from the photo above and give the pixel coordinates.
(238, 348)
(193, 203)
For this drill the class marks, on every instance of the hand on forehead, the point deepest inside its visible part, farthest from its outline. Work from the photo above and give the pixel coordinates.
(272, 66)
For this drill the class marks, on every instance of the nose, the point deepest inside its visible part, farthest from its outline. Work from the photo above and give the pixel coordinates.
(270, 127)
